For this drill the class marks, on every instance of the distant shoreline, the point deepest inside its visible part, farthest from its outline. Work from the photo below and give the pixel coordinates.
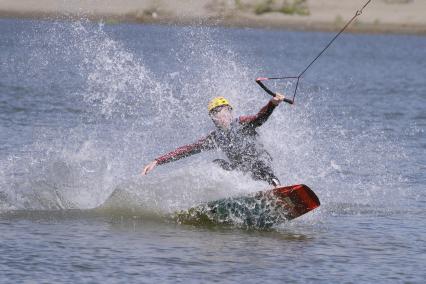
(238, 23)
(382, 18)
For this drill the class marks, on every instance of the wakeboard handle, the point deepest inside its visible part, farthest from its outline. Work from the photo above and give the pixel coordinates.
(259, 82)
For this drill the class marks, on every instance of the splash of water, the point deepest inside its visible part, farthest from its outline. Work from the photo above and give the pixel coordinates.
(130, 114)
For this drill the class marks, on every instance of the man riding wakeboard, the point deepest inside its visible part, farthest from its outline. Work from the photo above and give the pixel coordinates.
(237, 138)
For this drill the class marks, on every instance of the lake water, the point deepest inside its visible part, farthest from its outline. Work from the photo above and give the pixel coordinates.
(84, 106)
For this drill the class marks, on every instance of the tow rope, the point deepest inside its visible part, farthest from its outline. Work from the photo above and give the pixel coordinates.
(298, 77)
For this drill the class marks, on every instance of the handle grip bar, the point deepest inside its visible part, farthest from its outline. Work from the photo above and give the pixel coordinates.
(259, 82)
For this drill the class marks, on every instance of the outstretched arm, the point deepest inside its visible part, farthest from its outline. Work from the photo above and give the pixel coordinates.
(264, 113)
(203, 144)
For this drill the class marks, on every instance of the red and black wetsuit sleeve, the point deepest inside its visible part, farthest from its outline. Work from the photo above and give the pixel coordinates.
(260, 118)
(206, 143)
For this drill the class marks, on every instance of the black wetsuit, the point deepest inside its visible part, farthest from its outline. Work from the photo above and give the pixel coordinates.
(240, 145)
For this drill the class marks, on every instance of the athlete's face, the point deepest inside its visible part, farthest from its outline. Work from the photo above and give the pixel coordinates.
(222, 116)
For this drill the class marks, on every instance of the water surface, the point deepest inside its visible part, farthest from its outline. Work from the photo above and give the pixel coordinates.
(84, 106)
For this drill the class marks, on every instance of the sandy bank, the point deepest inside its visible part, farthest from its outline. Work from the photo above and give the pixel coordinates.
(399, 16)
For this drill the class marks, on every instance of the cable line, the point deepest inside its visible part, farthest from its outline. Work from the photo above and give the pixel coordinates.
(298, 77)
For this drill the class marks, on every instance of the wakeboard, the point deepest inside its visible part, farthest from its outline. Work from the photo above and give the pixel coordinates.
(262, 210)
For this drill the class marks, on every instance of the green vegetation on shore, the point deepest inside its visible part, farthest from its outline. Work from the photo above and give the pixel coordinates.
(294, 7)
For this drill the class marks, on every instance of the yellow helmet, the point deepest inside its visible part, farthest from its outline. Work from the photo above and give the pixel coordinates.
(217, 102)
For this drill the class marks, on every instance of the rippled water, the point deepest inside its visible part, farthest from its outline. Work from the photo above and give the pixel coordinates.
(84, 106)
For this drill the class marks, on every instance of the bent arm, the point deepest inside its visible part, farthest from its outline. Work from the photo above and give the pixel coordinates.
(203, 144)
(261, 117)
